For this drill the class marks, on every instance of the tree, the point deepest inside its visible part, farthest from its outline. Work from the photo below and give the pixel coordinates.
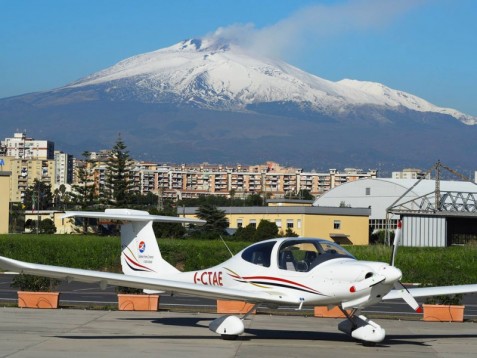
(119, 183)
(143, 202)
(246, 233)
(17, 218)
(47, 226)
(61, 197)
(288, 233)
(84, 195)
(38, 196)
(266, 230)
(254, 200)
(167, 230)
(303, 194)
(216, 221)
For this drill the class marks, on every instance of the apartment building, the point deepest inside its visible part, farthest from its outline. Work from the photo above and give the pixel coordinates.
(29, 159)
(63, 168)
(23, 147)
(24, 172)
(411, 173)
(270, 179)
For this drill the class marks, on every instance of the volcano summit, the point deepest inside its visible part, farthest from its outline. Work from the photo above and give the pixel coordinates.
(211, 100)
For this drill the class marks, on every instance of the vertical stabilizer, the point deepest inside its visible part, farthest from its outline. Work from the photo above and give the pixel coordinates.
(140, 253)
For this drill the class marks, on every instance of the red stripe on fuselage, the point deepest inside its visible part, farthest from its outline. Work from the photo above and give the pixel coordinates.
(135, 263)
(279, 280)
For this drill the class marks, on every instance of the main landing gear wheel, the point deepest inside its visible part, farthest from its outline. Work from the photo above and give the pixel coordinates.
(229, 327)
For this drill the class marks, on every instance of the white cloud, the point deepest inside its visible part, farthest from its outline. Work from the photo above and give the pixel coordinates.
(314, 23)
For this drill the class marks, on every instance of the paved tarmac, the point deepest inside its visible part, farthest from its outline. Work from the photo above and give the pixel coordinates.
(88, 333)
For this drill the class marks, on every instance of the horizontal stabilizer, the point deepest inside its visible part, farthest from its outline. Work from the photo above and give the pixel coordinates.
(131, 215)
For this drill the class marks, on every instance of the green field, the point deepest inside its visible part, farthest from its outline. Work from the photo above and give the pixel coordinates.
(438, 266)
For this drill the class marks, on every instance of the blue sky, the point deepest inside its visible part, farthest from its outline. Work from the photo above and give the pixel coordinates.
(425, 47)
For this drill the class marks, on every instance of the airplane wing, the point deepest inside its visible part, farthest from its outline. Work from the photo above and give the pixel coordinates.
(433, 291)
(116, 279)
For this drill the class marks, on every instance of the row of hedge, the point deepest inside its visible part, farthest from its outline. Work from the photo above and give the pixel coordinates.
(439, 266)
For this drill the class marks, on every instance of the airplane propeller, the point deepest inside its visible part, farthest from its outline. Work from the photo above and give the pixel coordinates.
(402, 290)
(397, 239)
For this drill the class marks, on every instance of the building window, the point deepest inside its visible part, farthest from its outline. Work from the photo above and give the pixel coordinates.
(253, 223)
(298, 223)
(337, 224)
(289, 223)
(278, 222)
(239, 223)
(368, 191)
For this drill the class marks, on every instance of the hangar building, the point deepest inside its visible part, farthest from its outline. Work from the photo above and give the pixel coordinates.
(438, 214)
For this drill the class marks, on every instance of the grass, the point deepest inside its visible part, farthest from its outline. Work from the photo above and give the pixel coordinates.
(438, 266)
(429, 265)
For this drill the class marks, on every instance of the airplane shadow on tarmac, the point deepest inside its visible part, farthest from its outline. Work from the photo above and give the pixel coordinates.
(272, 334)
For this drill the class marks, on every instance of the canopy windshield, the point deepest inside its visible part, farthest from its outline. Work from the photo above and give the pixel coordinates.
(305, 254)
(294, 255)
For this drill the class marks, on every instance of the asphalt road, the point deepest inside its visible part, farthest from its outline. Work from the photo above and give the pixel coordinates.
(83, 295)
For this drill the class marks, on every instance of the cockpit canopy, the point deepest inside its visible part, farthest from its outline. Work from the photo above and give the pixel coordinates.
(294, 254)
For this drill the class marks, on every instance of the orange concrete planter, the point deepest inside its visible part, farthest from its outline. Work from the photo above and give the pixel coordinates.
(443, 313)
(324, 312)
(224, 306)
(28, 299)
(132, 302)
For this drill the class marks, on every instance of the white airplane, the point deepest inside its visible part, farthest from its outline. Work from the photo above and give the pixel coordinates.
(282, 271)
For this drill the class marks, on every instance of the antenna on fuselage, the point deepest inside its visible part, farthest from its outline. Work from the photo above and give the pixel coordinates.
(231, 253)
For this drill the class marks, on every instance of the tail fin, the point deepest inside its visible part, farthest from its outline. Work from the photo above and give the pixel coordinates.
(140, 255)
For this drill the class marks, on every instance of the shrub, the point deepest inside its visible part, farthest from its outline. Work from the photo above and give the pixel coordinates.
(47, 226)
(34, 283)
(129, 290)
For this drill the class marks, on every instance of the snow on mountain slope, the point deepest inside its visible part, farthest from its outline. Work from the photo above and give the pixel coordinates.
(222, 76)
(396, 98)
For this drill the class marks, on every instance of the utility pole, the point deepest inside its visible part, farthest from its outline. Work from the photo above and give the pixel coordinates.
(160, 201)
(437, 192)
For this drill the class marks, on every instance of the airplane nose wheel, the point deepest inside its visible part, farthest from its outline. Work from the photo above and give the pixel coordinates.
(361, 328)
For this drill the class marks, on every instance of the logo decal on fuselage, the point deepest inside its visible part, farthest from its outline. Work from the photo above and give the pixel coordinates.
(142, 247)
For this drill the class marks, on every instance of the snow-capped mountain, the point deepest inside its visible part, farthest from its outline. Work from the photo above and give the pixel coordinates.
(221, 76)
(209, 100)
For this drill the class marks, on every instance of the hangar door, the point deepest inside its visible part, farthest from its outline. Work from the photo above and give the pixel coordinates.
(461, 231)
(423, 231)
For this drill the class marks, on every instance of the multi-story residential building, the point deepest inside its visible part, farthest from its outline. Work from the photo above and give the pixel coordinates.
(23, 147)
(25, 171)
(190, 181)
(29, 159)
(63, 168)
(411, 173)
(319, 183)
(101, 156)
